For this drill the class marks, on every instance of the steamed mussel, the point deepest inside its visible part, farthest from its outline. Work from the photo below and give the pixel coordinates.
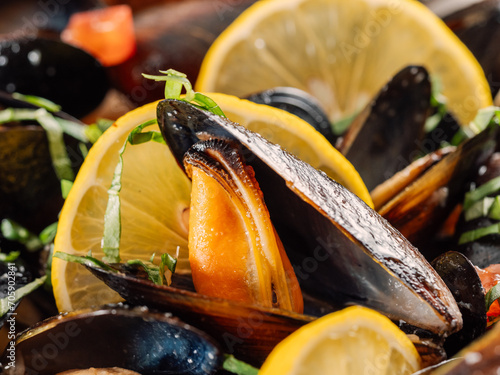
(325, 222)
(135, 339)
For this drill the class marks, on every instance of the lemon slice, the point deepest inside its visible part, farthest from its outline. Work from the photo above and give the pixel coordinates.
(342, 52)
(154, 197)
(155, 194)
(353, 341)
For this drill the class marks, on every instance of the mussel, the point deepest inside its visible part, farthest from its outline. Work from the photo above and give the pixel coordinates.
(248, 331)
(419, 210)
(30, 188)
(385, 136)
(299, 103)
(113, 336)
(53, 70)
(462, 279)
(342, 251)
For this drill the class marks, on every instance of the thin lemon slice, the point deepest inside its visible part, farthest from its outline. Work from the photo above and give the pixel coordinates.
(155, 194)
(342, 52)
(353, 341)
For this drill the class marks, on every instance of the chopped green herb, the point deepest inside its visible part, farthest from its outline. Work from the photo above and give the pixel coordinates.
(7, 304)
(478, 233)
(38, 101)
(112, 217)
(484, 117)
(10, 257)
(492, 295)
(486, 207)
(438, 102)
(73, 129)
(15, 232)
(238, 367)
(87, 260)
(157, 273)
(175, 81)
(48, 234)
(57, 148)
(94, 131)
(342, 125)
(488, 188)
(66, 186)
(479, 209)
(153, 271)
(494, 212)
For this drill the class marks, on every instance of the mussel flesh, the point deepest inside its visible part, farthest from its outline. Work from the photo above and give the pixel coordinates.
(234, 250)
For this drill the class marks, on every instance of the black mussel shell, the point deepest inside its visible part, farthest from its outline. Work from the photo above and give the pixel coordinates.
(386, 136)
(114, 336)
(53, 70)
(249, 332)
(332, 238)
(461, 277)
(419, 211)
(299, 103)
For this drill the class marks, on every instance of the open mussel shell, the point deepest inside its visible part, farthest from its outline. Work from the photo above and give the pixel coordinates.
(298, 102)
(388, 189)
(384, 137)
(114, 336)
(53, 70)
(248, 331)
(421, 208)
(461, 277)
(342, 251)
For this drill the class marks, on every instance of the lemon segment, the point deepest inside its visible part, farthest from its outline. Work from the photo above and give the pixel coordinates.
(342, 53)
(353, 341)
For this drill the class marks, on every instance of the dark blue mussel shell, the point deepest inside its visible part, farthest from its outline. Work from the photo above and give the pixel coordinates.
(114, 336)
